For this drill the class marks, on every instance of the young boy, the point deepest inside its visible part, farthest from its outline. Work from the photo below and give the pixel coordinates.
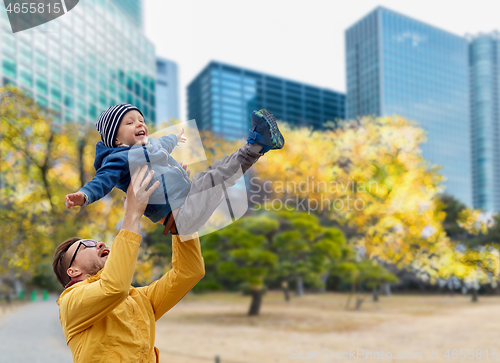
(190, 203)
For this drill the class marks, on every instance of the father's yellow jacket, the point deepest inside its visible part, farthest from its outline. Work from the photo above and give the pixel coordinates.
(104, 319)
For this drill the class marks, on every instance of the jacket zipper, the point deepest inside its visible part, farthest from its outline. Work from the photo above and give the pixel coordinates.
(166, 154)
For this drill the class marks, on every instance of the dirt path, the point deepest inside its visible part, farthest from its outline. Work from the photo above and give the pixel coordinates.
(201, 327)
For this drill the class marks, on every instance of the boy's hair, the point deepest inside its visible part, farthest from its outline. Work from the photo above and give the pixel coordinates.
(59, 265)
(109, 121)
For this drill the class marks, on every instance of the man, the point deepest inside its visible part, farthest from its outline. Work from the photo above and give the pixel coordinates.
(104, 319)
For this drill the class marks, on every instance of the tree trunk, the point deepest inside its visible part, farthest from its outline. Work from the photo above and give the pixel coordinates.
(284, 286)
(44, 169)
(18, 287)
(256, 302)
(474, 295)
(81, 169)
(387, 290)
(324, 277)
(359, 296)
(300, 287)
(359, 301)
(350, 296)
(375, 294)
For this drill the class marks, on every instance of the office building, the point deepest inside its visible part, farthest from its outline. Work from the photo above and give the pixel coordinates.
(484, 60)
(167, 90)
(399, 65)
(222, 97)
(130, 8)
(84, 61)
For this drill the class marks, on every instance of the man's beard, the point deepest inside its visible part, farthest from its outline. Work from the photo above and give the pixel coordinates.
(93, 267)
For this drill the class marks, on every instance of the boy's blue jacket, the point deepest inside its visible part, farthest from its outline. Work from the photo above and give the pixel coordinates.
(115, 165)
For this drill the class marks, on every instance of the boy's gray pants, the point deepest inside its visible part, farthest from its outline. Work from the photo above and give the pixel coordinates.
(207, 189)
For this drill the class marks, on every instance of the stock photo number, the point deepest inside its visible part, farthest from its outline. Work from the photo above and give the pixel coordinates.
(471, 354)
(27, 15)
(32, 8)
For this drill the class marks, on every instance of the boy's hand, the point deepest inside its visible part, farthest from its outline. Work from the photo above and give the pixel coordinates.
(180, 137)
(75, 199)
(184, 166)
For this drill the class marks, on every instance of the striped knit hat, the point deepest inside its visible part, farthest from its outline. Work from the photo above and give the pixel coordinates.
(109, 121)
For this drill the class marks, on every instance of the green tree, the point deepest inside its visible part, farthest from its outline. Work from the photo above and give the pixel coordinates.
(363, 274)
(304, 247)
(240, 255)
(282, 245)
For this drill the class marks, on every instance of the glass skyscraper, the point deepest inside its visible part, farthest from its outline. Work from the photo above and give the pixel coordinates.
(131, 8)
(484, 59)
(222, 97)
(167, 90)
(398, 65)
(84, 61)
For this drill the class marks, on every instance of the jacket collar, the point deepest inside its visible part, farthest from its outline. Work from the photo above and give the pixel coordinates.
(89, 279)
(71, 283)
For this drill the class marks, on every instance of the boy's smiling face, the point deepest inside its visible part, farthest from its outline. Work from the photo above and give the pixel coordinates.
(132, 129)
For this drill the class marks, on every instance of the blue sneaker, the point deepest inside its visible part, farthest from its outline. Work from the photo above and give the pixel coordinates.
(265, 132)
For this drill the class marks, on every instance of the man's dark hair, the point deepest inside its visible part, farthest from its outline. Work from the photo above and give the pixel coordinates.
(59, 265)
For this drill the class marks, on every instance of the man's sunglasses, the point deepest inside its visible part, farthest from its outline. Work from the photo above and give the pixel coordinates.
(86, 243)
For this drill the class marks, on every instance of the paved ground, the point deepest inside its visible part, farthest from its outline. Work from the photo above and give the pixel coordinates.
(33, 334)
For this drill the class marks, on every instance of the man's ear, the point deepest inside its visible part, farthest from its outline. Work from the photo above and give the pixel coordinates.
(74, 272)
(117, 142)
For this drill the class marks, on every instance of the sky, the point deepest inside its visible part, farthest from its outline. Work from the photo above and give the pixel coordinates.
(297, 40)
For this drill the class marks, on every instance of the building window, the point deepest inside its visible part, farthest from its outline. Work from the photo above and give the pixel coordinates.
(102, 100)
(121, 95)
(42, 101)
(80, 86)
(55, 93)
(92, 94)
(41, 61)
(41, 85)
(25, 53)
(9, 43)
(92, 112)
(26, 77)
(68, 100)
(81, 107)
(91, 74)
(9, 67)
(112, 88)
(68, 79)
(162, 67)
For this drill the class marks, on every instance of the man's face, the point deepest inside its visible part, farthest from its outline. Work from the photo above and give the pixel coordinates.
(88, 260)
(132, 129)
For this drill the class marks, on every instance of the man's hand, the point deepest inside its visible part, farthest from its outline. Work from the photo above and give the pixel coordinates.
(75, 199)
(137, 198)
(180, 136)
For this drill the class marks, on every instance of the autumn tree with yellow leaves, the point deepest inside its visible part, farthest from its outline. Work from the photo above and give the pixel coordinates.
(369, 176)
(41, 162)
